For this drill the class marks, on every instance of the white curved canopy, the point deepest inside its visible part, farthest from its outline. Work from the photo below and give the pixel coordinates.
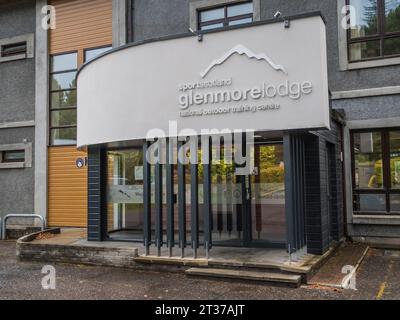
(261, 77)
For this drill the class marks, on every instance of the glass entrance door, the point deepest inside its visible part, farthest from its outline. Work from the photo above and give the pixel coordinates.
(268, 219)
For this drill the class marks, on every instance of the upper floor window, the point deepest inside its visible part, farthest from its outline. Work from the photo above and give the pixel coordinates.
(13, 49)
(63, 101)
(17, 48)
(13, 156)
(375, 31)
(225, 16)
(91, 54)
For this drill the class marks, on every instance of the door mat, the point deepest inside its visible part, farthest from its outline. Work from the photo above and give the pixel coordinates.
(339, 269)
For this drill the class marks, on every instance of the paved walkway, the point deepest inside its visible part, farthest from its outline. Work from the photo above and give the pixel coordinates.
(378, 278)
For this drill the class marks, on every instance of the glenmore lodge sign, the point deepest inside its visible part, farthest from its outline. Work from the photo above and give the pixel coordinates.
(260, 77)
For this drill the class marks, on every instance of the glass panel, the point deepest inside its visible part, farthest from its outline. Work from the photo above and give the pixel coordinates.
(240, 9)
(64, 62)
(370, 203)
(93, 53)
(226, 199)
(125, 195)
(241, 21)
(63, 118)
(214, 14)
(395, 203)
(364, 50)
(395, 158)
(63, 99)
(366, 18)
(65, 136)
(14, 156)
(368, 160)
(212, 26)
(392, 15)
(391, 46)
(63, 81)
(268, 194)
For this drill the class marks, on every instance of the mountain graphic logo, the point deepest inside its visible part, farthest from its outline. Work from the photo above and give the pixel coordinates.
(242, 50)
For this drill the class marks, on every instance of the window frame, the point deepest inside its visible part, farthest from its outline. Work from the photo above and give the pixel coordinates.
(380, 36)
(51, 108)
(27, 39)
(386, 190)
(85, 60)
(226, 20)
(26, 163)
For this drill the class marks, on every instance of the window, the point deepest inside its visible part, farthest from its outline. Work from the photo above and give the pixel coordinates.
(16, 156)
(13, 49)
(17, 48)
(225, 16)
(376, 31)
(63, 71)
(13, 156)
(91, 54)
(376, 171)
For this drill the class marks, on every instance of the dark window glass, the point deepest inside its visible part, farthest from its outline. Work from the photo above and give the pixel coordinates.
(63, 136)
(364, 50)
(63, 117)
(376, 171)
(90, 54)
(375, 29)
(13, 156)
(391, 46)
(226, 16)
(14, 49)
(366, 16)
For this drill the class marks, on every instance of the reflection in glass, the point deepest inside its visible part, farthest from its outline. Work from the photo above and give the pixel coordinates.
(366, 22)
(240, 9)
(392, 15)
(368, 160)
(125, 195)
(241, 21)
(391, 46)
(364, 50)
(268, 194)
(214, 14)
(63, 99)
(62, 81)
(370, 202)
(395, 158)
(64, 62)
(63, 118)
(65, 136)
(212, 26)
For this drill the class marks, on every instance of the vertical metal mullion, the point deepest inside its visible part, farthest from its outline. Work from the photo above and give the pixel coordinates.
(207, 212)
(158, 203)
(194, 207)
(287, 153)
(146, 199)
(182, 200)
(170, 195)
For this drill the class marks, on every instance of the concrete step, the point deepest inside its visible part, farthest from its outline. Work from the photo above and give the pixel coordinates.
(279, 278)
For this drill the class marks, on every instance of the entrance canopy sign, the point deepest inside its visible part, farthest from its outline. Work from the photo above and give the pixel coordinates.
(261, 77)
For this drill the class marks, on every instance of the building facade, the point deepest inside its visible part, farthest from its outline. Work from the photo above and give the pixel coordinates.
(17, 119)
(309, 187)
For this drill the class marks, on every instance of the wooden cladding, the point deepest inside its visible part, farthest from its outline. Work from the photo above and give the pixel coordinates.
(67, 199)
(80, 25)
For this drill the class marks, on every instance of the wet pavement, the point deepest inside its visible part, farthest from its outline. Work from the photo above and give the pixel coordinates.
(377, 278)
